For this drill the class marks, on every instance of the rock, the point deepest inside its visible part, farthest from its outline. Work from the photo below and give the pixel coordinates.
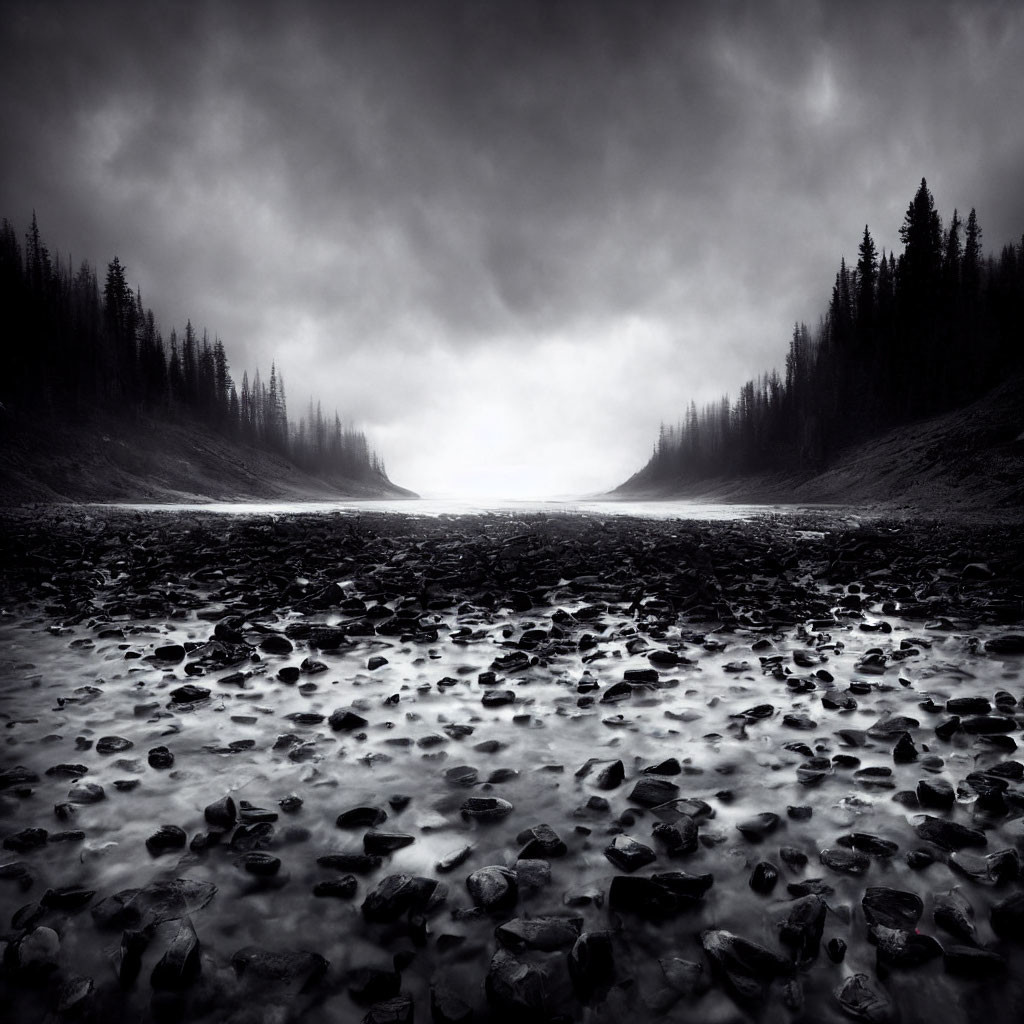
(949, 835)
(611, 776)
(361, 817)
(372, 984)
(359, 863)
(153, 904)
(802, 928)
(946, 728)
(995, 869)
(860, 1000)
(1008, 643)
(651, 791)
(298, 969)
(628, 854)
(381, 843)
(746, 966)
(968, 706)
(680, 838)
(836, 950)
(67, 771)
(398, 1010)
(904, 751)
(848, 862)
(165, 838)
(541, 842)
(493, 888)
(73, 996)
(461, 775)
(1007, 918)
(497, 698)
(396, 895)
(617, 692)
(179, 967)
(937, 793)
(67, 897)
(954, 913)
(759, 826)
(516, 989)
(263, 865)
(376, 662)
(971, 962)
(764, 877)
(343, 888)
(447, 1007)
(868, 843)
(161, 758)
(86, 793)
(189, 694)
(486, 808)
(26, 840)
(17, 778)
(684, 977)
(543, 933)
(38, 952)
(891, 908)
(897, 947)
(221, 813)
(591, 964)
(346, 720)
(670, 766)
(659, 896)
(170, 652)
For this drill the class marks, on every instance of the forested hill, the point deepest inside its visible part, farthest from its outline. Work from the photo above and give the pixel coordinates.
(905, 337)
(85, 363)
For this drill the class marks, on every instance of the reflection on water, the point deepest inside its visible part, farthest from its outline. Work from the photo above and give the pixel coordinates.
(448, 507)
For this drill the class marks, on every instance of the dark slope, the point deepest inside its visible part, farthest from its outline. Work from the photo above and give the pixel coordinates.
(110, 459)
(967, 461)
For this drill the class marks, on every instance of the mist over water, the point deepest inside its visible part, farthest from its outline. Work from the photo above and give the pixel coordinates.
(688, 510)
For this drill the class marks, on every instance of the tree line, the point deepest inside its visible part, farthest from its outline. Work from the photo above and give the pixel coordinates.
(903, 337)
(75, 347)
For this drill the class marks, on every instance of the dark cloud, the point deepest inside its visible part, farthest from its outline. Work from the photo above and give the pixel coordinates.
(435, 213)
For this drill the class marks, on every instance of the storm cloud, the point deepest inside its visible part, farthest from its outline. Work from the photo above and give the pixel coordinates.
(507, 238)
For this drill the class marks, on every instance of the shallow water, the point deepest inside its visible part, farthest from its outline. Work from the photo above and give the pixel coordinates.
(457, 507)
(73, 684)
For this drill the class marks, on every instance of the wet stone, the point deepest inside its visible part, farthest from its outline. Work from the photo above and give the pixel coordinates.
(165, 839)
(361, 817)
(759, 827)
(26, 840)
(160, 758)
(541, 933)
(936, 793)
(486, 808)
(861, 1000)
(112, 745)
(649, 792)
(847, 862)
(764, 877)
(493, 888)
(628, 854)
(381, 843)
(949, 835)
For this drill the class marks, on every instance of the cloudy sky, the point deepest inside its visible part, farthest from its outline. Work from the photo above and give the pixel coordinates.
(506, 238)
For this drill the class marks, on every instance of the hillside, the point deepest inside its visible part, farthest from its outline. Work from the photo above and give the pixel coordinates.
(969, 461)
(111, 459)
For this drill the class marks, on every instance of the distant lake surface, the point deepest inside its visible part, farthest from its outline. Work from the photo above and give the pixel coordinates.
(455, 507)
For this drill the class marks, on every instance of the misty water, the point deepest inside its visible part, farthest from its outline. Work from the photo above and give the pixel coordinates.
(690, 510)
(65, 688)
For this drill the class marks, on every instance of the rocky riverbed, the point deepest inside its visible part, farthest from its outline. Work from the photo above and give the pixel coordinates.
(513, 768)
